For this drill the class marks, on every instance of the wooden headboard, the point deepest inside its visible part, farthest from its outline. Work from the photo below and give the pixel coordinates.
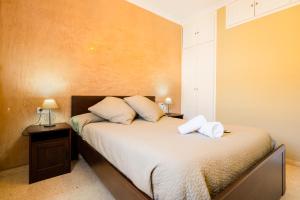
(80, 104)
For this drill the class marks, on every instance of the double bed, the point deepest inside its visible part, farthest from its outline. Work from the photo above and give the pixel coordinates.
(146, 160)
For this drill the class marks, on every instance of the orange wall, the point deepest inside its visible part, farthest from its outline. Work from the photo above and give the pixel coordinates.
(258, 75)
(59, 48)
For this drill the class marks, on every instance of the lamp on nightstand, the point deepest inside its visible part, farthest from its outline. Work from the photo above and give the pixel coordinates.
(168, 102)
(49, 104)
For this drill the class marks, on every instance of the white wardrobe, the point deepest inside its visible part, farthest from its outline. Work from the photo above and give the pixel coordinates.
(199, 67)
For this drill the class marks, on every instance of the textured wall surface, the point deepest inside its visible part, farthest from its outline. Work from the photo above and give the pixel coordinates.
(258, 75)
(59, 48)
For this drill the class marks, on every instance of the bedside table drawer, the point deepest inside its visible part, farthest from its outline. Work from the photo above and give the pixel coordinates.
(49, 158)
(49, 135)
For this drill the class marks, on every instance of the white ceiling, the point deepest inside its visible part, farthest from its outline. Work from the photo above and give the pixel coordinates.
(178, 10)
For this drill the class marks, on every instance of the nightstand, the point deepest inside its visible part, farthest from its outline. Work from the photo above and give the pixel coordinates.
(49, 151)
(175, 115)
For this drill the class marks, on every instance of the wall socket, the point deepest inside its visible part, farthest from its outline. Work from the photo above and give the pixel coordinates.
(40, 111)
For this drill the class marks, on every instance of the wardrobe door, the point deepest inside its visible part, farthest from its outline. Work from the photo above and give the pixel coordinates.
(198, 81)
(200, 31)
(188, 96)
(264, 6)
(190, 35)
(205, 80)
(198, 66)
(239, 11)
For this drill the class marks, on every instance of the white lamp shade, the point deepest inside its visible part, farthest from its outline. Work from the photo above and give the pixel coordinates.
(49, 104)
(168, 101)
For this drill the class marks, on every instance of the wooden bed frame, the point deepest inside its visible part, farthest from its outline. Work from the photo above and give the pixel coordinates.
(264, 181)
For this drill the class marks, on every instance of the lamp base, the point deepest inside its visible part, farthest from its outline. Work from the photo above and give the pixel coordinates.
(49, 125)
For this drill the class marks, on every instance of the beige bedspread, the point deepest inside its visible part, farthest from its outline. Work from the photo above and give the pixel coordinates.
(167, 165)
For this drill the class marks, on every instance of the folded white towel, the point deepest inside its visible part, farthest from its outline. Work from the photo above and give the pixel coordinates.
(192, 125)
(212, 129)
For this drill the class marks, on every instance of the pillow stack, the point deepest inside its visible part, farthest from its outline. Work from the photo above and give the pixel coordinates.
(123, 111)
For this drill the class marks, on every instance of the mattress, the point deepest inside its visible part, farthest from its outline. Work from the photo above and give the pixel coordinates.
(166, 165)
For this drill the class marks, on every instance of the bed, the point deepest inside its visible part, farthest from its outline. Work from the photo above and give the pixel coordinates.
(259, 175)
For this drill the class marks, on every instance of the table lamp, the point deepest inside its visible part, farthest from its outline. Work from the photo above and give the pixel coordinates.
(168, 102)
(49, 104)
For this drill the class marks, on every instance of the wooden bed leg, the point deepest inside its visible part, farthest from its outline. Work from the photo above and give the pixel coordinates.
(74, 146)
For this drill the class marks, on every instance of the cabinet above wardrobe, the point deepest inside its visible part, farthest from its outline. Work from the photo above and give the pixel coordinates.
(241, 11)
(200, 31)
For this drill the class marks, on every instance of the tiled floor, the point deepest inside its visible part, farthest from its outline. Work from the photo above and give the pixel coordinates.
(83, 184)
(293, 183)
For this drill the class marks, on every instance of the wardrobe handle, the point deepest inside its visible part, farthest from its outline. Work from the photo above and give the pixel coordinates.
(252, 5)
(256, 3)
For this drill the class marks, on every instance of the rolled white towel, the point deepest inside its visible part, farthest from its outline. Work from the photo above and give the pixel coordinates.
(192, 125)
(212, 129)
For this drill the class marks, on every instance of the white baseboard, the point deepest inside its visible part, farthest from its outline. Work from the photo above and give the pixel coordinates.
(293, 162)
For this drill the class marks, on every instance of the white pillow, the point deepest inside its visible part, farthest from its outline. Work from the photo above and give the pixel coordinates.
(146, 108)
(79, 121)
(114, 109)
